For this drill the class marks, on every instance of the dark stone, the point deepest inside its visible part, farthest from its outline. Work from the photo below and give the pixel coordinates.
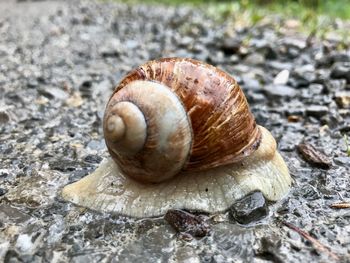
(64, 165)
(316, 111)
(269, 52)
(344, 128)
(250, 208)
(32, 83)
(230, 46)
(294, 109)
(93, 158)
(341, 71)
(340, 57)
(13, 256)
(332, 120)
(254, 97)
(86, 89)
(303, 76)
(309, 192)
(293, 52)
(269, 249)
(328, 60)
(4, 117)
(2, 191)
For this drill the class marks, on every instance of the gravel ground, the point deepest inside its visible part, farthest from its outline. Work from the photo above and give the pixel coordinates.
(59, 62)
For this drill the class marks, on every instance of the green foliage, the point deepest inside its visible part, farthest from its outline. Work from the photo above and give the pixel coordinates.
(316, 17)
(293, 8)
(347, 145)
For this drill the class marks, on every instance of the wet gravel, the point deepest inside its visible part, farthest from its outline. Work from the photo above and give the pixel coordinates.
(59, 62)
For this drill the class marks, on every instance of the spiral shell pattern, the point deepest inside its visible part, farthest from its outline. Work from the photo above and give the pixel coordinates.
(222, 128)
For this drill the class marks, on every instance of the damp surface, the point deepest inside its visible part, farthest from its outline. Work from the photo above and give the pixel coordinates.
(59, 61)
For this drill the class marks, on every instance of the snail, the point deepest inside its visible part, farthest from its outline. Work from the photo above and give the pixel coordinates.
(181, 135)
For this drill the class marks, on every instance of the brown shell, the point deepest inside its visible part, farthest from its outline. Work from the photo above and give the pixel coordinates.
(224, 130)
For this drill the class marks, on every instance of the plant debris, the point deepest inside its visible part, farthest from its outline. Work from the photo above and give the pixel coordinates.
(315, 243)
(340, 205)
(186, 223)
(313, 156)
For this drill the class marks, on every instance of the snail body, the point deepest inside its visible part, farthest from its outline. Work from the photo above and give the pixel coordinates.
(181, 135)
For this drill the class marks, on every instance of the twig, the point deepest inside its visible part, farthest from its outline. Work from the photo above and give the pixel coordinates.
(340, 205)
(316, 244)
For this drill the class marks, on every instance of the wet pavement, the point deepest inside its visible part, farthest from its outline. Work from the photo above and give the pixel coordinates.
(59, 61)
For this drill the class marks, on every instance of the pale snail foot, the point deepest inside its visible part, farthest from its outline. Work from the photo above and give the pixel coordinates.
(214, 190)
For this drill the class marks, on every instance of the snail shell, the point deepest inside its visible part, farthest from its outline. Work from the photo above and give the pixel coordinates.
(173, 115)
(181, 136)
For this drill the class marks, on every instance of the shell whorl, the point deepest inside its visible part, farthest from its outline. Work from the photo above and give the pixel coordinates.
(161, 135)
(126, 128)
(213, 127)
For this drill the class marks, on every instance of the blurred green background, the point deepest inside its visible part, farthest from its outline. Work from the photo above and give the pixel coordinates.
(320, 18)
(296, 8)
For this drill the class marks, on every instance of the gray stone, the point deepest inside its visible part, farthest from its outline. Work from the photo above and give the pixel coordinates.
(295, 43)
(341, 71)
(11, 214)
(250, 84)
(335, 85)
(279, 91)
(112, 48)
(54, 92)
(342, 160)
(278, 65)
(316, 89)
(255, 59)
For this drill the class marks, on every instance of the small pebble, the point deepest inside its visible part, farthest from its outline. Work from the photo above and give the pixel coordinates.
(4, 117)
(279, 91)
(341, 70)
(2, 191)
(281, 78)
(316, 111)
(250, 208)
(93, 158)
